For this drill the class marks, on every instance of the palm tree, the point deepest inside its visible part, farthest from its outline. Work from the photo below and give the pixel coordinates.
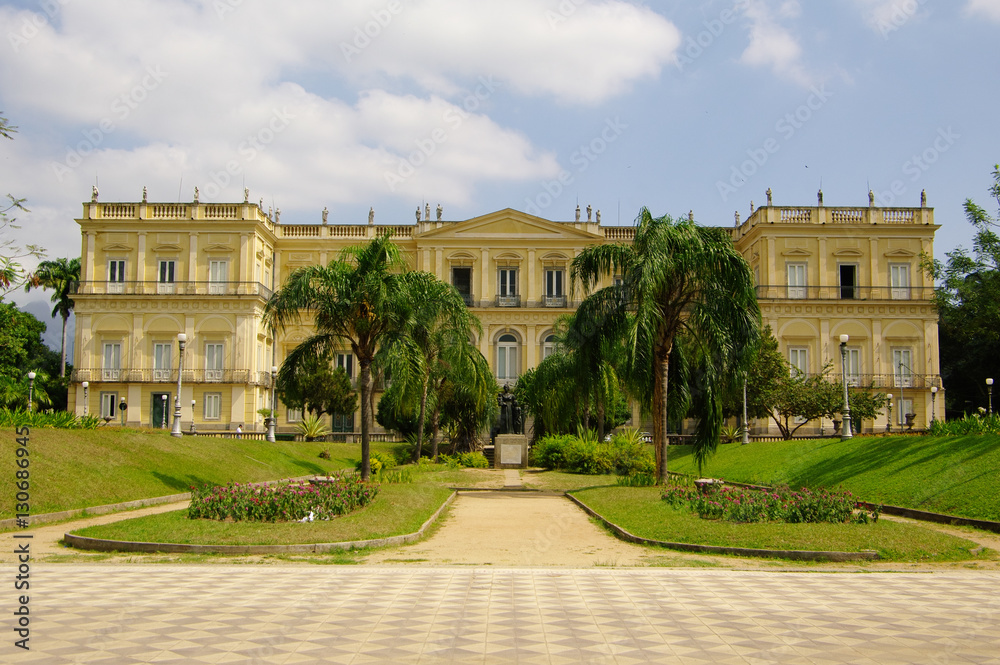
(678, 281)
(436, 336)
(359, 299)
(594, 360)
(63, 277)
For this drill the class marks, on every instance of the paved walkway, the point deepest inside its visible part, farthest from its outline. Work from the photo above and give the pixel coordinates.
(181, 614)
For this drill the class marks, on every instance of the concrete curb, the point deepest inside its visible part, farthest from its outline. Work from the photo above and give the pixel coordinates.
(102, 545)
(795, 555)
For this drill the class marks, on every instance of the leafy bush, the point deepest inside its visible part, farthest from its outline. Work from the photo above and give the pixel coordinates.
(625, 454)
(312, 428)
(324, 454)
(778, 505)
(56, 419)
(379, 462)
(969, 424)
(637, 480)
(473, 460)
(281, 503)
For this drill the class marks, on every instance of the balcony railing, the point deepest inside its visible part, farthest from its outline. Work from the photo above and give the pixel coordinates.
(173, 288)
(554, 301)
(845, 293)
(242, 376)
(468, 299)
(508, 301)
(884, 381)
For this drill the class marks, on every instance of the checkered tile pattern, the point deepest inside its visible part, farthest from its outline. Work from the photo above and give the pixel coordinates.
(326, 614)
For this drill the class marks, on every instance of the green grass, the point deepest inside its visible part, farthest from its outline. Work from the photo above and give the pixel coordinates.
(953, 475)
(641, 511)
(563, 480)
(398, 509)
(81, 468)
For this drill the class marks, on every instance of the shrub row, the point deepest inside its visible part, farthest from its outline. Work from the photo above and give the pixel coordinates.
(969, 424)
(779, 505)
(625, 454)
(281, 503)
(474, 460)
(58, 419)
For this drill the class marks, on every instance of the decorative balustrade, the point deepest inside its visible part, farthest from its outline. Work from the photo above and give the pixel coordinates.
(553, 301)
(847, 293)
(169, 376)
(177, 212)
(172, 288)
(619, 233)
(508, 301)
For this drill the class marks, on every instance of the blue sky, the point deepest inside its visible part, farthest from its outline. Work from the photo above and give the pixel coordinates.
(536, 105)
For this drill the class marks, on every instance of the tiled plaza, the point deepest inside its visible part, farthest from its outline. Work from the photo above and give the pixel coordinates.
(344, 614)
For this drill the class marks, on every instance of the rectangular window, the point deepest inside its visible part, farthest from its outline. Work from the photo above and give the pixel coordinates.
(902, 368)
(111, 369)
(166, 277)
(848, 282)
(212, 406)
(507, 362)
(218, 275)
(116, 276)
(109, 405)
(797, 280)
(260, 358)
(798, 358)
(904, 406)
(853, 369)
(553, 283)
(461, 279)
(213, 361)
(293, 415)
(161, 362)
(508, 282)
(899, 276)
(346, 360)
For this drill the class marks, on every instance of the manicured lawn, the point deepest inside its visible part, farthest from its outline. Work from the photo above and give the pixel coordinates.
(82, 468)
(953, 475)
(641, 511)
(398, 509)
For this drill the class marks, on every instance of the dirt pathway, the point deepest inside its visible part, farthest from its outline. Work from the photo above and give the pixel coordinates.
(518, 529)
(45, 538)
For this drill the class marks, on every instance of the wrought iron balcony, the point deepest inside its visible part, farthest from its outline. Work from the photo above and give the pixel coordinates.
(863, 293)
(884, 381)
(469, 299)
(554, 301)
(508, 301)
(104, 288)
(242, 376)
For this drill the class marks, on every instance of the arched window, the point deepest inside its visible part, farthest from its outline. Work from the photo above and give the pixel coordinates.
(548, 346)
(507, 358)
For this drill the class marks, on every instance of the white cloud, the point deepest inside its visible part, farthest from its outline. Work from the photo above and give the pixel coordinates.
(989, 9)
(771, 43)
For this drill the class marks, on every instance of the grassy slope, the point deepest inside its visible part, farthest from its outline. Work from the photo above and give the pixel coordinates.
(81, 468)
(954, 475)
(641, 511)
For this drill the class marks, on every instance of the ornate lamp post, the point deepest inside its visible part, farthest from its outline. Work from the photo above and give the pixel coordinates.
(163, 401)
(989, 396)
(846, 432)
(192, 417)
(271, 418)
(31, 388)
(888, 422)
(176, 429)
(934, 390)
(86, 385)
(122, 407)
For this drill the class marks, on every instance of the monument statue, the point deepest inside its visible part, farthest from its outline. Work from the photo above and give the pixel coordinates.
(440, 212)
(145, 195)
(511, 420)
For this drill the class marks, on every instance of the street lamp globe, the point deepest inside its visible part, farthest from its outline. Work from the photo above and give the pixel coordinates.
(888, 418)
(31, 388)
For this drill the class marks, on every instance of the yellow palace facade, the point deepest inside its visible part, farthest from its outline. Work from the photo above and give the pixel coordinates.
(152, 271)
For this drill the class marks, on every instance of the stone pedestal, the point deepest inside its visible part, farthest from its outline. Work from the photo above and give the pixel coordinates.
(511, 452)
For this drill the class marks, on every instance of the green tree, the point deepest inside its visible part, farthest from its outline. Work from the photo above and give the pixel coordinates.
(467, 400)
(436, 337)
(968, 304)
(11, 272)
(317, 387)
(803, 397)
(678, 282)
(63, 277)
(359, 299)
(22, 351)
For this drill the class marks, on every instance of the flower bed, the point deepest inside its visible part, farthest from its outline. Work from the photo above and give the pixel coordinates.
(778, 505)
(281, 503)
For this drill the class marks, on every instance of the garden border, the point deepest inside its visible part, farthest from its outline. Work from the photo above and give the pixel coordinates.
(794, 555)
(898, 511)
(102, 545)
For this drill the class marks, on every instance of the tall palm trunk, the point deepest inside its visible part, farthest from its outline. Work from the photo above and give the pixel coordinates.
(600, 413)
(661, 415)
(420, 418)
(366, 415)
